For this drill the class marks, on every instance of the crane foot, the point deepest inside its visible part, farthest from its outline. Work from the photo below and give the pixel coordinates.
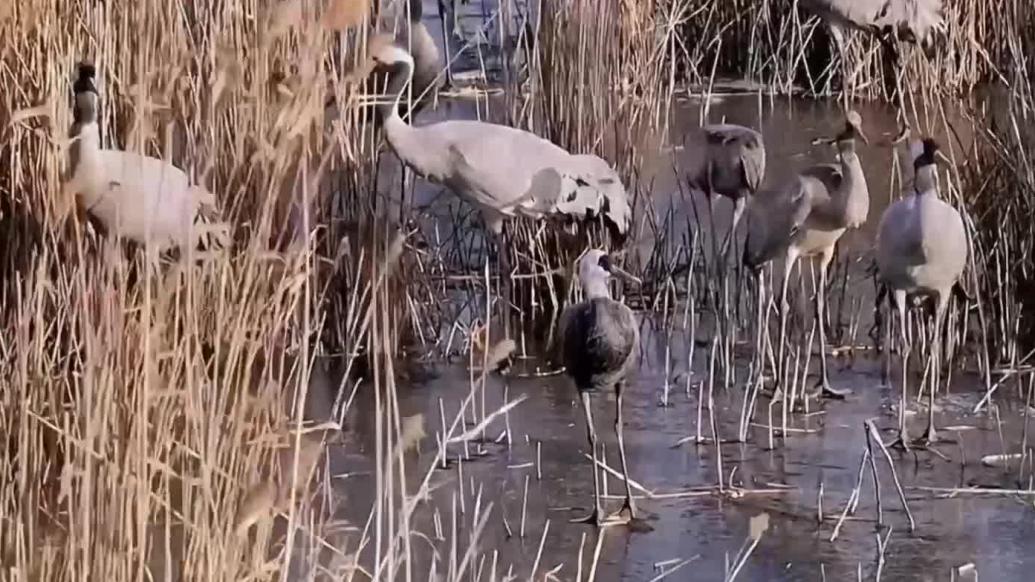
(823, 389)
(593, 518)
(930, 438)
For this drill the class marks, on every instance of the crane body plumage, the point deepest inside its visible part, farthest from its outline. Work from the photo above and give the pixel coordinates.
(922, 244)
(600, 339)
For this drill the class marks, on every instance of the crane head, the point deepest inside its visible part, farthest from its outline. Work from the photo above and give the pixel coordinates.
(86, 98)
(85, 81)
(928, 153)
(853, 128)
(597, 265)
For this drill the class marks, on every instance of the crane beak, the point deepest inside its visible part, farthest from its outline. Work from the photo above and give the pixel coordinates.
(862, 135)
(625, 275)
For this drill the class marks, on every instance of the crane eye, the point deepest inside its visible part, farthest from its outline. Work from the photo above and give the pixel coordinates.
(605, 263)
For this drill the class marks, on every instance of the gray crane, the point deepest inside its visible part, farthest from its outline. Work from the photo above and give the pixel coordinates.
(920, 22)
(732, 165)
(599, 342)
(502, 171)
(806, 219)
(921, 250)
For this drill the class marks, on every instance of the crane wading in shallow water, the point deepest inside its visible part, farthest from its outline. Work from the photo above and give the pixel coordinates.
(140, 198)
(502, 171)
(599, 342)
(919, 22)
(805, 219)
(733, 165)
(922, 250)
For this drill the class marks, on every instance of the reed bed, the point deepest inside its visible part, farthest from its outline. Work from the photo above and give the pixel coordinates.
(157, 422)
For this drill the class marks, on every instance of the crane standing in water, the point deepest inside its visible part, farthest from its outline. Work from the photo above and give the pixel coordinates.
(921, 250)
(808, 218)
(599, 342)
(733, 166)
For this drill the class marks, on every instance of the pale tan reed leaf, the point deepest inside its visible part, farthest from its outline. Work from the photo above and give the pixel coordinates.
(342, 15)
(229, 72)
(259, 502)
(330, 425)
(1002, 460)
(395, 250)
(285, 16)
(310, 448)
(412, 432)
(42, 110)
(758, 526)
(477, 430)
(499, 353)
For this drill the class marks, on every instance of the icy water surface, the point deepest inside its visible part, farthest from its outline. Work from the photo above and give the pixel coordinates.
(801, 482)
(993, 532)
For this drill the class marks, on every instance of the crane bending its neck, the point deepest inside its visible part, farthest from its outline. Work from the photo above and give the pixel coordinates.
(401, 76)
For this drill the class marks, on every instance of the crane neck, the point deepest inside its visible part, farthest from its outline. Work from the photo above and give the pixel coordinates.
(595, 288)
(400, 77)
(85, 131)
(926, 180)
(854, 195)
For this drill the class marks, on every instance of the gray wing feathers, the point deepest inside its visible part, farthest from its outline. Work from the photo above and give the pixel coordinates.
(753, 163)
(527, 175)
(599, 341)
(774, 217)
(829, 174)
(734, 160)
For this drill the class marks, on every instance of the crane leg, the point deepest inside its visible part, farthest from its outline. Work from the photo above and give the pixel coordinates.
(738, 211)
(931, 436)
(595, 517)
(891, 47)
(505, 288)
(905, 346)
(629, 507)
(826, 390)
(781, 364)
(711, 225)
(445, 42)
(842, 54)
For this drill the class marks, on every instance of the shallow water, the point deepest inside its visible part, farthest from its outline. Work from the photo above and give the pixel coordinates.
(994, 532)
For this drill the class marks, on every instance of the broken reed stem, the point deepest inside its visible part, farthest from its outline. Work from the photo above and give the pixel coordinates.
(853, 499)
(876, 479)
(871, 430)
